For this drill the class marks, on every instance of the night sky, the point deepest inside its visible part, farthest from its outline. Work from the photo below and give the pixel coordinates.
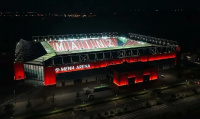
(94, 5)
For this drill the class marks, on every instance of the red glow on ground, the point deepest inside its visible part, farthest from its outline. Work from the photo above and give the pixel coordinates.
(49, 76)
(19, 71)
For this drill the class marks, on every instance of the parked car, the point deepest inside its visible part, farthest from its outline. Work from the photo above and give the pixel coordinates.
(162, 76)
(159, 92)
(82, 109)
(135, 98)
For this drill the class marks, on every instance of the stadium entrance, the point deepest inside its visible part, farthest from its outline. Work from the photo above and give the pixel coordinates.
(131, 81)
(146, 78)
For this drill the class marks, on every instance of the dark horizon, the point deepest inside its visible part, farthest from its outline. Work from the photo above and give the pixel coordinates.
(95, 6)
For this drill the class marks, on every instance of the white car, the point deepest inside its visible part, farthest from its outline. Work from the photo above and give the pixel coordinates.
(162, 76)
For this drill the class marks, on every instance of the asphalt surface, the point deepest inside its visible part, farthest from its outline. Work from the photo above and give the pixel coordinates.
(170, 79)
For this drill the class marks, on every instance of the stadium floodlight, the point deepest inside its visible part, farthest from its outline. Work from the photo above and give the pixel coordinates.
(122, 37)
(83, 39)
(104, 37)
(60, 39)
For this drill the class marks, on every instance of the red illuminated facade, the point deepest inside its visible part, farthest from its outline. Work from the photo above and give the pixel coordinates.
(121, 79)
(50, 72)
(63, 54)
(19, 71)
(49, 76)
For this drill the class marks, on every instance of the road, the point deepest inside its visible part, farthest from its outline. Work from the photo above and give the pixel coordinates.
(136, 104)
(65, 97)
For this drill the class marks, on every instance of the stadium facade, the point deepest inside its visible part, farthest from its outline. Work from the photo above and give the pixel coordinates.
(72, 58)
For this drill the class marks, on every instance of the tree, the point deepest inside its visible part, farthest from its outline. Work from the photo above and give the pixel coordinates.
(91, 117)
(195, 91)
(53, 100)
(173, 96)
(28, 105)
(77, 95)
(9, 109)
(44, 98)
(106, 113)
(179, 75)
(119, 111)
(99, 115)
(148, 105)
(159, 101)
(125, 109)
(112, 112)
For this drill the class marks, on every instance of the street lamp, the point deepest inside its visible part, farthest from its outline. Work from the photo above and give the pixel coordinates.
(73, 114)
(14, 96)
(115, 105)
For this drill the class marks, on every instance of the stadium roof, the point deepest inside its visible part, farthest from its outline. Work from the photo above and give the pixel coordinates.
(71, 46)
(80, 48)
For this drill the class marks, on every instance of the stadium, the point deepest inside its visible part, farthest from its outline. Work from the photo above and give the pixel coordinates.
(81, 58)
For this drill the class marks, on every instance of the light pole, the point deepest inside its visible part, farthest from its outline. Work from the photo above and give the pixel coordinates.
(115, 106)
(73, 114)
(14, 96)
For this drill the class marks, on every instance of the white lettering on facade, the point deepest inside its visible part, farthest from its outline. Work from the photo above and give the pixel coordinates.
(87, 44)
(70, 68)
(83, 66)
(110, 43)
(99, 43)
(59, 47)
(74, 46)
(92, 44)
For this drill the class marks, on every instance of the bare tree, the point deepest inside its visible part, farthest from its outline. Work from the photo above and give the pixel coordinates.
(9, 110)
(28, 105)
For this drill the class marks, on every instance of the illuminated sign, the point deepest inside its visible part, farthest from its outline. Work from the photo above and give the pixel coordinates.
(71, 45)
(72, 68)
(105, 63)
